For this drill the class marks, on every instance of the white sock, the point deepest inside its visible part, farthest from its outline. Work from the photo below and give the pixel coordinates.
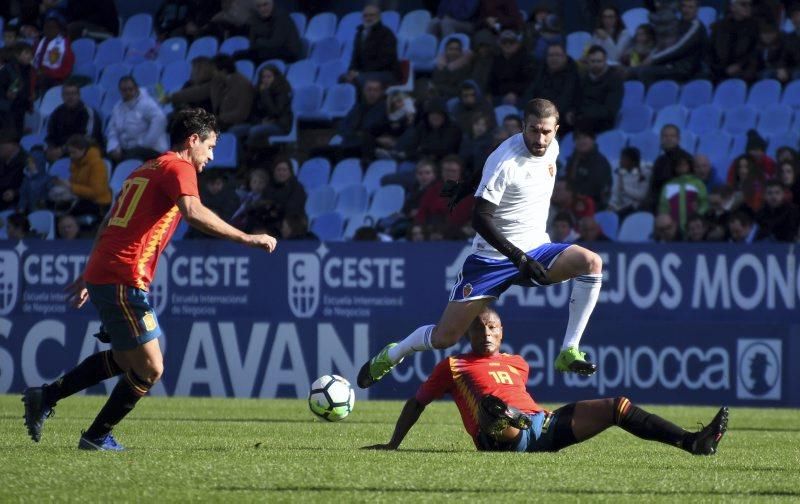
(417, 341)
(585, 291)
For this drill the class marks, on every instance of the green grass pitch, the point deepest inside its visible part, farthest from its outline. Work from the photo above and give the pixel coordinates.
(189, 449)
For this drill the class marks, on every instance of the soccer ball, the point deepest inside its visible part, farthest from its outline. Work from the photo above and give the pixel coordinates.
(331, 398)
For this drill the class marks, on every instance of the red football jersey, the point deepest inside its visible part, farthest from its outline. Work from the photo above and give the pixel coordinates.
(469, 377)
(142, 221)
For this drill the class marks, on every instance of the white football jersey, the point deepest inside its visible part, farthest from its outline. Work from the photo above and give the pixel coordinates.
(520, 184)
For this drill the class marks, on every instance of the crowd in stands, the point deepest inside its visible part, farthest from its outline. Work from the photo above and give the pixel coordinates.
(679, 121)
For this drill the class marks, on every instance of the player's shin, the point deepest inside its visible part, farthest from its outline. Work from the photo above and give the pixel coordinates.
(94, 369)
(417, 341)
(646, 425)
(122, 400)
(585, 292)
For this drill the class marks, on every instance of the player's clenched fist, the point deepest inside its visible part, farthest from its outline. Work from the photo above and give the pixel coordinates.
(262, 241)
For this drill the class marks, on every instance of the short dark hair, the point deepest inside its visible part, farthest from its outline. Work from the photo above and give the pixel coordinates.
(487, 310)
(79, 142)
(19, 220)
(191, 121)
(125, 78)
(541, 109)
(225, 62)
(21, 47)
(633, 154)
(455, 40)
(673, 126)
(596, 49)
(773, 183)
(743, 216)
(696, 217)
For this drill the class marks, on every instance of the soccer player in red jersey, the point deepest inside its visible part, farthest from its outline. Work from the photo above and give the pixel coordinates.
(500, 415)
(119, 271)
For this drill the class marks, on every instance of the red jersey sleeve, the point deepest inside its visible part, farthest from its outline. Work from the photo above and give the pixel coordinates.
(180, 179)
(437, 385)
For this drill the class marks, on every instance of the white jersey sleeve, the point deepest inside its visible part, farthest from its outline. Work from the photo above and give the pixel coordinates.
(495, 178)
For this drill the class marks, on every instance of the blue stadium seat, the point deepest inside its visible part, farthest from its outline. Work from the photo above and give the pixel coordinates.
(376, 171)
(785, 139)
(354, 223)
(320, 200)
(88, 70)
(704, 118)
(107, 106)
(346, 31)
(775, 119)
(635, 17)
(277, 63)
(695, 93)
(566, 146)
(346, 172)
(464, 38)
(300, 22)
(60, 168)
(307, 101)
(707, 16)
(391, 20)
(503, 111)
(324, 50)
(609, 223)
(121, 172)
(688, 141)
(175, 75)
(791, 95)
(671, 114)
(172, 49)
(225, 153)
(204, 46)
(662, 93)
(346, 54)
(233, 44)
(577, 43)
(83, 49)
(147, 73)
(109, 51)
(414, 24)
(339, 99)
(609, 143)
(43, 223)
(739, 119)
(730, 93)
(111, 75)
(321, 26)
(137, 26)
(635, 118)
(4, 214)
(421, 52)
(246, 68)
(648, 144)
(32, 140)
(636, 228)
(738, 146)
(302, 73)
(352, 200)
(50, 100)
(328, 226)
(138, 50)
(386, 201)
(764, 93)
(330, 71)
(288, 138)
(634, 93)
(314, 173)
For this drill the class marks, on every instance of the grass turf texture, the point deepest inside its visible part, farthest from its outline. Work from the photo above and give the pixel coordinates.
(182, 449)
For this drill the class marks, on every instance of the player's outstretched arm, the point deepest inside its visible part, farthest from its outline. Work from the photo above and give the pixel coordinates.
(200, 217)
(408, 417)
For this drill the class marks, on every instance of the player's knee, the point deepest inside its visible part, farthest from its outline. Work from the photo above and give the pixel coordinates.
(593, 263)
(443, 338)
(150, 372)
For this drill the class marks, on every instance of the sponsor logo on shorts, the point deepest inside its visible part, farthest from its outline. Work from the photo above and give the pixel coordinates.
(467, 290)
(759, 369)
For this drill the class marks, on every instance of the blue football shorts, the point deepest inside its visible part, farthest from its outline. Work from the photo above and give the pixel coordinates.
(481, 277)
(126, 315)
(550, 431)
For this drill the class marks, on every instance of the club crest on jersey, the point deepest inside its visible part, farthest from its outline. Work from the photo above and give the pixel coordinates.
(552, 169)
(467, 290)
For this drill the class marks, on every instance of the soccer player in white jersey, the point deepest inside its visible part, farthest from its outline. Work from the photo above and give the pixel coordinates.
(511, 247)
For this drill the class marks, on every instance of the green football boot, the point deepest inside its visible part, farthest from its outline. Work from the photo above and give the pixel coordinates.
(572, 360)
(376, 368)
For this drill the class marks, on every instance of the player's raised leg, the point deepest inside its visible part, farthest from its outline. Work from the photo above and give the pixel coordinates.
(586, 268)
(454, 323)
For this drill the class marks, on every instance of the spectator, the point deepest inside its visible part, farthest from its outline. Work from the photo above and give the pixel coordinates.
(284, 192)
(696, 228)
(13, 160)
(272, 110)
(631, 183)
(588, 171)
(511, 71)
(252, 202)
(424, 177)
(433, 208)
(476, 145)
(495, 16)
(791, 182)
(470, 102)
(547, 34)
(778, 219)
(417, 233)
(793, 37)
(401, 113)
(10, 34)
(197, 91)
(558, 81)
(639, 50)
(91, 18)
(663, 167)
(232, 93)
(610, 34)
(483, 58)
(663, 17)
(733, 44)
(452, 68)
(748, 182)
(684, 194)
(374, 51)
(273, 35)
(137, 128)
(755, 148)
(18, 227)
(53, 58)
(563, 228)
(17, 80)
(231, 20)
(665, 229)
(68, 228)
(512, 124)
(601, 93)
(35, 185)
(454, 16)
(366, 234)
(705, 172)
(294, 226)
(721, 201)
(184, 18)
(786, 154)
(435, 136)
(72, 117)
(741, 227)
(564, 199)
(590, 230)
(88, 178)
(775, 58)
(218, 196)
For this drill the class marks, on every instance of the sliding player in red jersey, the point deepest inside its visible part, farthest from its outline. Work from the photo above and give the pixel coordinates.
(500, 415)
(119, 271)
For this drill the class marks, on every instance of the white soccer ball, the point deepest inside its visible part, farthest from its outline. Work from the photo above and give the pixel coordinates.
(331, 398)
